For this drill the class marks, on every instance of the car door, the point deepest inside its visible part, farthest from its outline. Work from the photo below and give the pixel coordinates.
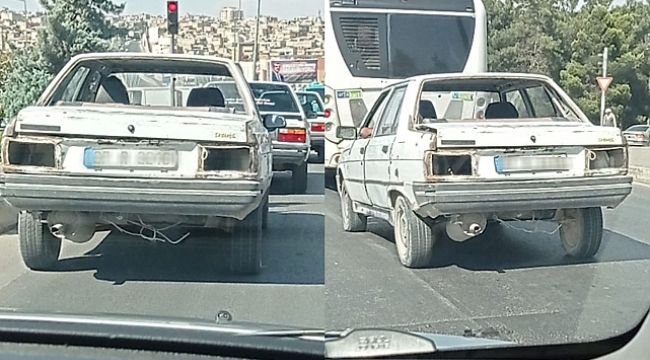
(354, 161)
(377, 157)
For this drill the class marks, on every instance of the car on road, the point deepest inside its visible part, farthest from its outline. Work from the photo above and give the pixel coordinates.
(315, 110)
(88, 156)
(638, 135)
(430, 160)
(291, 144)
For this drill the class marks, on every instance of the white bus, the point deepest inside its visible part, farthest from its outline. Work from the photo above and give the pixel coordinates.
(370, 44)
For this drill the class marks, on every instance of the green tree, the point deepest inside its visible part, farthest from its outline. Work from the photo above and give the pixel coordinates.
(72, 27)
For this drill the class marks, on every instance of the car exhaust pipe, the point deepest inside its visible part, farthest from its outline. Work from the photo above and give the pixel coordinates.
(73, 226)
(464, 227)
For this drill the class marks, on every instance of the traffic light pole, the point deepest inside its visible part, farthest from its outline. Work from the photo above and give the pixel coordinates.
(172, 82)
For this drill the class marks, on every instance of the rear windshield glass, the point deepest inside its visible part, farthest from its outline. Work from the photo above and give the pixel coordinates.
(274, 98)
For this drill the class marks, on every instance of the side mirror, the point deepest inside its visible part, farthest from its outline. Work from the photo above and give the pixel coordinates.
(274, 122)
(346, 132)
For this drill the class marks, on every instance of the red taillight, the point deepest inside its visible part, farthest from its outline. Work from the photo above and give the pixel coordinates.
(318, 127)
(292, 135)
(328, 113)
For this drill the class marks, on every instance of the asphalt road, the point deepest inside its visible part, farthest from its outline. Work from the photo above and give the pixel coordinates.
(115, 273)
(640, 156)
(505, 284)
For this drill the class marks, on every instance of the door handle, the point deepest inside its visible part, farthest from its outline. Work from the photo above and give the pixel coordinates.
(362, 151)
(384, 149)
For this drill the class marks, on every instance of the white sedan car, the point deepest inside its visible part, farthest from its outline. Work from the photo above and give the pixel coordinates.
(108, 144)
(453, 153)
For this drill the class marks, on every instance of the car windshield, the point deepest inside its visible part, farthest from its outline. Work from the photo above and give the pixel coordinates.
(494, 98)
(274, 98)
(137, 82)
(640, 128)
(472, 172)
(230, 92)
(311, 102)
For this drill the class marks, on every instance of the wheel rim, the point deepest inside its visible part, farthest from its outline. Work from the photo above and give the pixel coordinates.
(572, 228)
(401, 225)
(344, 206)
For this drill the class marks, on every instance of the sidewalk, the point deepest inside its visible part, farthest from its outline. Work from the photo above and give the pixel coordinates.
(640, 164)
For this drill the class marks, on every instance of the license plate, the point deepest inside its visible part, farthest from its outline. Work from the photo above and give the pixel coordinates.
(130, 159)
(531, 163)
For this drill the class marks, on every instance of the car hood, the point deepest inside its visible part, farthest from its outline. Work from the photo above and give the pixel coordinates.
(453, 342)
(130, 122)
(522, 134)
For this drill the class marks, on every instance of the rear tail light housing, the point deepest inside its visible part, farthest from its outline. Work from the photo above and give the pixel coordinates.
(327, 113)
(233, 158)
(612, 158)
(318, 127)
(37, 154)
(292, 135)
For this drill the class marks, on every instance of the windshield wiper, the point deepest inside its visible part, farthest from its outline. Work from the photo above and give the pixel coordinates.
(365, 343)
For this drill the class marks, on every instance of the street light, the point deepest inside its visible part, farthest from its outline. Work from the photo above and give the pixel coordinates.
(257, 40)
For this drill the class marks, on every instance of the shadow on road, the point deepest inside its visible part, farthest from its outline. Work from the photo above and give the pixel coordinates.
(281, 184)
(295, 257)
(501, 248)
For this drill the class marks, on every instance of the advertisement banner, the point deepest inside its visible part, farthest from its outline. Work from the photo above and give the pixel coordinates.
(294, 71)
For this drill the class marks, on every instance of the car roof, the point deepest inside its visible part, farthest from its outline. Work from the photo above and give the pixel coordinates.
(144, 56)
(481, 75)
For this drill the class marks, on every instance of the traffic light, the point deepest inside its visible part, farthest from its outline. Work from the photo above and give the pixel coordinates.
(172, 17)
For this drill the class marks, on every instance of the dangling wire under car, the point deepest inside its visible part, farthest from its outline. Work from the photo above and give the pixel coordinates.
(157, 233)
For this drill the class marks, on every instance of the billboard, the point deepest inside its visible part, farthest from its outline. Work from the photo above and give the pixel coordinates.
(294, 71)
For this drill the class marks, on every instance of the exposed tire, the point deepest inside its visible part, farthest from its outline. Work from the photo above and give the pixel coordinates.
(245, 245)
(38, 247)
(582, 232)
(299, 178)
(352, 221)
(414, 239)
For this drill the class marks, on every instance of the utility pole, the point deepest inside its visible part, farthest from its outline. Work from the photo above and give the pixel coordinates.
(603, 90)
(257, 41)
(235, 34)
(172, 28)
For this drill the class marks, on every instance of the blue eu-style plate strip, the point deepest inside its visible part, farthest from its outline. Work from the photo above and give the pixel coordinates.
(89, 158)
(498, 164)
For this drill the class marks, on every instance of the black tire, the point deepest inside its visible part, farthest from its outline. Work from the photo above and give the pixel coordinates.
(39, 248)
(352, 221)
(582, 232)
(320, 159)
(245, 245)
(414, 239)
(299, 178)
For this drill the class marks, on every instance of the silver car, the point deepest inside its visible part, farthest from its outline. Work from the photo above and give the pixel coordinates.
(291, 145)
(638, 135)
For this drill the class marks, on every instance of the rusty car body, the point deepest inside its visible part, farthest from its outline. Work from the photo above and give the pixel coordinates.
(90, 154)
(452, 153)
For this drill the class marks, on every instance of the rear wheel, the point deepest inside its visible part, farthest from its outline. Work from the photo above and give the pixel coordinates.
(352, 221)
(245, 245)
(299, 178)
(38, 247)
(414, 239)
(582, 232)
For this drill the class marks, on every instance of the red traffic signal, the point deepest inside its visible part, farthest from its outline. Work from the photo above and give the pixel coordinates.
(172, 17)
(172, 6)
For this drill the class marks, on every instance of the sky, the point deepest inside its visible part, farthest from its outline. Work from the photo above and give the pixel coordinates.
(279, 8)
